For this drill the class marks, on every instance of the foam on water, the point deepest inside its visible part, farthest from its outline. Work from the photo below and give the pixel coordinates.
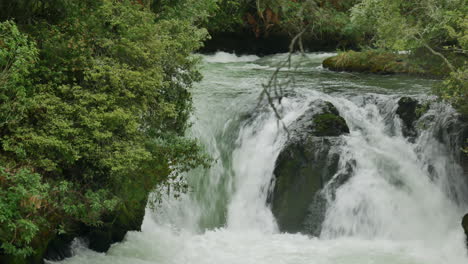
(224, 57)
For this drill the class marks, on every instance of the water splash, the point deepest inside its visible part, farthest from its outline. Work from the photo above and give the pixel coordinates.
(402, 205)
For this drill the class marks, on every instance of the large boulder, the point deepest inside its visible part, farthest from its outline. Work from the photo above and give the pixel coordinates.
(307, 162)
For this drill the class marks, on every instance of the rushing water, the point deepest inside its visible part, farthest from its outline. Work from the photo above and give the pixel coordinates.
(403, 204)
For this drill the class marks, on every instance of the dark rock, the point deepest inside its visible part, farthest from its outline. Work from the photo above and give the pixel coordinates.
(409, 110)
(465, 227)
(302, 169)
(115, 227)
(317, 209)
(307, 162)
(244, 41)
(59, 248)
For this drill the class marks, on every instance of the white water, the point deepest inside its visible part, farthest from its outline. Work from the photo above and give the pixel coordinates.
(391, 210)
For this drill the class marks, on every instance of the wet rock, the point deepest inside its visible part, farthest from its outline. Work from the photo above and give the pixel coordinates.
(410, 110)
(308, 161)
(59, 248)
(465, 227)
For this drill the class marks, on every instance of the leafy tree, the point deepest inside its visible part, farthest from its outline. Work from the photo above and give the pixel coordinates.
(438, 26)
(17, 57)
(95, 101)
(316, 19)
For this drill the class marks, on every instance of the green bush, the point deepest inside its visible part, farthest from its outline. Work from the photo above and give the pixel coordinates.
(94, 106)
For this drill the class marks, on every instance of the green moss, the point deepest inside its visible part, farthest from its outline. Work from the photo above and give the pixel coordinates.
(373, 62)
(421, 109)
(329, 124)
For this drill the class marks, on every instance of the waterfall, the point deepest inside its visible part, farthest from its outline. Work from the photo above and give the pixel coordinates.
(402, 204)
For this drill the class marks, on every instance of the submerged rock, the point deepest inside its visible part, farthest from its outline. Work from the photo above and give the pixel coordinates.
(307, 162)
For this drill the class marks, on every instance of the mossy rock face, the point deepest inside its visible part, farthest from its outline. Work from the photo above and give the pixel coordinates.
(307, 162)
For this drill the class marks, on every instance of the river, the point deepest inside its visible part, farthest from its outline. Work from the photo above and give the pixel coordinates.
(403, 204)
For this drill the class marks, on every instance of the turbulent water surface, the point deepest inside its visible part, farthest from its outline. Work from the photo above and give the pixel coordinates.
(402, 205)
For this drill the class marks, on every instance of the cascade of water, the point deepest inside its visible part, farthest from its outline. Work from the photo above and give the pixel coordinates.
(392, 194)
(402, 204)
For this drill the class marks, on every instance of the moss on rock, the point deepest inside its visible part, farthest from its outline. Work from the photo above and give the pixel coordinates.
(329, 124)
(373, 62)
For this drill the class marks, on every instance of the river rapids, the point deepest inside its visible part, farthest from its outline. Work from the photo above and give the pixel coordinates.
(402, 205)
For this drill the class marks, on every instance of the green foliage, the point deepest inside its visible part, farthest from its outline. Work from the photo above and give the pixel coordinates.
(320, 19)
(30, 208)
(439, 27)
(229, 16)
(195, 11)
(95, 102)
(21, 197)
(408, 25)
(17, 57)
(455, 90)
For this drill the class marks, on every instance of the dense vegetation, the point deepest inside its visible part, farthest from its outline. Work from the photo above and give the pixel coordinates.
(94, 105)
(434, 31)
(323, 24)
(261, 17)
